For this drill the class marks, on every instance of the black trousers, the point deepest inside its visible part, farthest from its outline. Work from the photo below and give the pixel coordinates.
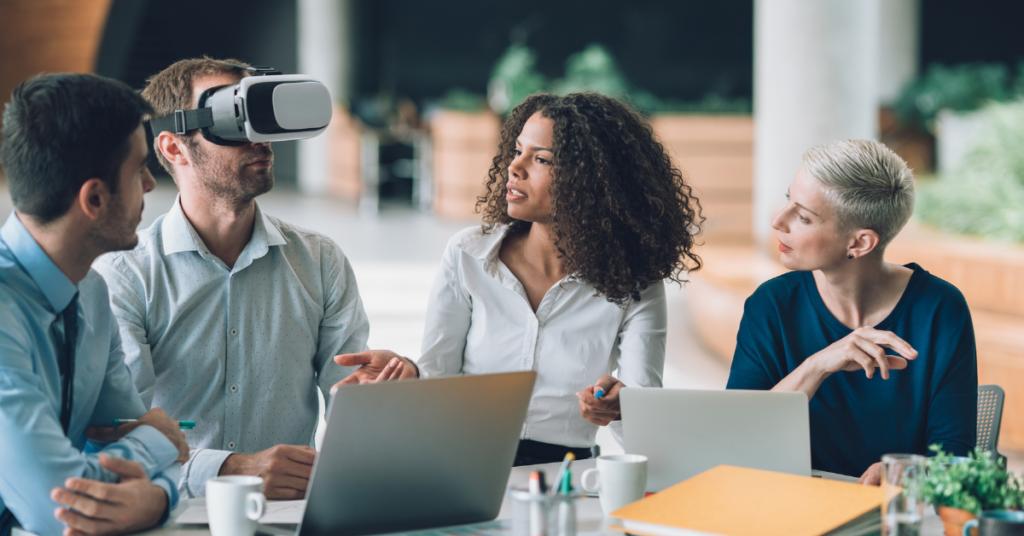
(532, 452)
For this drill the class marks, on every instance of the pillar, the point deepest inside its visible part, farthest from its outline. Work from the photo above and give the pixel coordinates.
(326, 53)
(899, 46)
(816, 69)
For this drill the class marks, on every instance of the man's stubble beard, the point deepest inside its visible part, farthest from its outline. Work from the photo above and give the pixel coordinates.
(117, 232)
(233, 182)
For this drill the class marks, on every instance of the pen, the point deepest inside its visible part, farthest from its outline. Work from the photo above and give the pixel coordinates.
(599, 393)
(569, 457)
(184, 425)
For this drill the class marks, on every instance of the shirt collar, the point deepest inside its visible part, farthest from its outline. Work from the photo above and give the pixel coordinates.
(178, 235)
(484, 246)
(274, 235)
(56, 286)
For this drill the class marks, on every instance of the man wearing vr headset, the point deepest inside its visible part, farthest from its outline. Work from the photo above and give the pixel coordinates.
(74, 151)
(229, 316)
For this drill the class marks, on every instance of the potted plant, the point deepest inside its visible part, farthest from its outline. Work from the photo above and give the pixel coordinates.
(961, 488)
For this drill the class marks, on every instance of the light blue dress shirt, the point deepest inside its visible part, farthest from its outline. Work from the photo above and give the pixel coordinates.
(238, 350)
(35, 455)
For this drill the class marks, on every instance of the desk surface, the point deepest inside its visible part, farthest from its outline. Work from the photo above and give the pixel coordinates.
(589, 516)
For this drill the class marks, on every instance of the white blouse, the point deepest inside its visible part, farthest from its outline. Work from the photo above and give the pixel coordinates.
(480, 321)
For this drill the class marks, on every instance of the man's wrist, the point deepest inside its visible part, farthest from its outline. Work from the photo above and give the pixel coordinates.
(167, 505)
(227, 467)
(413, 363)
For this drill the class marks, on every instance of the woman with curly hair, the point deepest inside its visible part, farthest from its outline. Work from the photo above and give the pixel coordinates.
(584, 217)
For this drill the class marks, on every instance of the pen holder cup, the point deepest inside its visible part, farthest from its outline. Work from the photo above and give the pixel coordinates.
(543, 514)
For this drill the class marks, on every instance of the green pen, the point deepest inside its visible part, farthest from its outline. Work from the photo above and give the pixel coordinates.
(184, 425)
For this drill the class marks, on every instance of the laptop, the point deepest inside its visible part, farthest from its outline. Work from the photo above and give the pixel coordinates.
(411, 455)
(686, 432)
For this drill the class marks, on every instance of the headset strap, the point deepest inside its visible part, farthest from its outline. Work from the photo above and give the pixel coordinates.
(256, 70)
(182, 121)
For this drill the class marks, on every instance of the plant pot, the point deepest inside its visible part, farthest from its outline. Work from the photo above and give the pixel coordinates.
(954, 137)
(953, 520)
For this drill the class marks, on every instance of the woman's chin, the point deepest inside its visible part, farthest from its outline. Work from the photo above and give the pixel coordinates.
(517, 213)
(789, 261)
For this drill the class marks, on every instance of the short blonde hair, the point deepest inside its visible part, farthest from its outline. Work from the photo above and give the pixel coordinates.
(867, 185)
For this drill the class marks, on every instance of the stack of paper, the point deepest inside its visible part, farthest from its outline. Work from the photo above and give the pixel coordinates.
(733, 501)
(276, 513)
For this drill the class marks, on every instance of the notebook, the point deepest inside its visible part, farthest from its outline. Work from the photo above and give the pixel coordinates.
(736, 501)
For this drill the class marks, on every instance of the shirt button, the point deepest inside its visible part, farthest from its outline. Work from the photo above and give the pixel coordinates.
(231, 445)
(234, 332)
(234, 388)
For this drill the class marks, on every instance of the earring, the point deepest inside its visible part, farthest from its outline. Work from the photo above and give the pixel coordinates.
(850, 256)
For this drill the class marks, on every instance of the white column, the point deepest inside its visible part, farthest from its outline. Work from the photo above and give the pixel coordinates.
(815, 80)
(899, 46)
(326, 53)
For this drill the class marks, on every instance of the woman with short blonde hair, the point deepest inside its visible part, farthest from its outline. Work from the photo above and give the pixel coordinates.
(843, 310)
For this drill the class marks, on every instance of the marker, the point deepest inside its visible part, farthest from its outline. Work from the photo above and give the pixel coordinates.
(569, 457)
(536, 512)
(184, 425)
(599, 393)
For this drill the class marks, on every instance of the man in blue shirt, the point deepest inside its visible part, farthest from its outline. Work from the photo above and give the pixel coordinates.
(74, 153)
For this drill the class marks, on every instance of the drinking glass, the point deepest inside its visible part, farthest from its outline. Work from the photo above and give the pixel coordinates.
(543, 514)
(902, 505)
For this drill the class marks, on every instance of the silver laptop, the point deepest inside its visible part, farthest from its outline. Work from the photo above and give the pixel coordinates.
(684, 433)
(413, 455)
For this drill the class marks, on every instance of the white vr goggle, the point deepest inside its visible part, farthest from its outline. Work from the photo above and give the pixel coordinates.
(267, 106)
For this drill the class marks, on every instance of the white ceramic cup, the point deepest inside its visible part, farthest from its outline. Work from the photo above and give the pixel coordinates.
(234, 504)
(620, 479)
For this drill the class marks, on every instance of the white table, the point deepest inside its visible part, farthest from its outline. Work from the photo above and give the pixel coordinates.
(589, 517)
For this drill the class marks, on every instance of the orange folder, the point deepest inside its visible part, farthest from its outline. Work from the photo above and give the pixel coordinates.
(733, 501)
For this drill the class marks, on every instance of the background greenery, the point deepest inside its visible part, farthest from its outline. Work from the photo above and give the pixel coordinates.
(985, 195)
(961, 88)
(515, 77)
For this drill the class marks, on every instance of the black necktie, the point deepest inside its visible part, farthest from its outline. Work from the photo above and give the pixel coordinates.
(6, 520)
(67, 362)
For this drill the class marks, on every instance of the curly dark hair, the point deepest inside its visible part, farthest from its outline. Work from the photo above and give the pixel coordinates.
(623, 217)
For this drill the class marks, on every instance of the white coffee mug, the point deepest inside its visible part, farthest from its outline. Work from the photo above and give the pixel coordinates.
(234, 504)
(620, 480)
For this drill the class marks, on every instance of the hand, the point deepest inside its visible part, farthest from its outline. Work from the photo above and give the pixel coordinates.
(157, 418)
(873, 476)
(865, 349)
(376, 366)
(601, 411)
(100, 508)
(285, 469)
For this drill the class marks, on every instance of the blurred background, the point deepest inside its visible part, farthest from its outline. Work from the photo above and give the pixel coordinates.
(737, 90)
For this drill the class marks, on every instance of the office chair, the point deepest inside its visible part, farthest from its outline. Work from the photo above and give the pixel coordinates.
(990, 414)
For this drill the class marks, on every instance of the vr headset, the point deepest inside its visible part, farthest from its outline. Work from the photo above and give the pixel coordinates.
(267, 106)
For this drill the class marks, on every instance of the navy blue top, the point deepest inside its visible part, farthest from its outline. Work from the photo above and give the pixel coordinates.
(854, 420)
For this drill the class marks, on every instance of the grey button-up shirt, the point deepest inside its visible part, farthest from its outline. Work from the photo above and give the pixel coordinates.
(241, 350)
